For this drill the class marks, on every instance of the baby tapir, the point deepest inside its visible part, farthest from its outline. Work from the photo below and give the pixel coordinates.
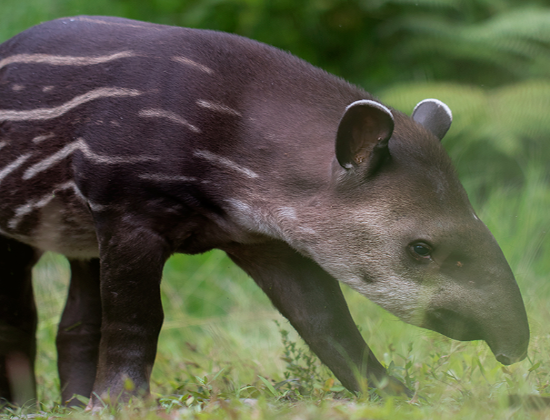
(124, 142)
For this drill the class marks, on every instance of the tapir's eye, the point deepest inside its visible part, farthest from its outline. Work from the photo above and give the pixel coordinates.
(421, 251)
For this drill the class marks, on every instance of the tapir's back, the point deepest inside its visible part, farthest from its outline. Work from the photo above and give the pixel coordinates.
(100, 72)
(96, 109)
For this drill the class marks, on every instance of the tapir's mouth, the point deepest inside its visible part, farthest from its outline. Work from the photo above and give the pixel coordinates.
(452, 324)
(464, 328)
(507, 360)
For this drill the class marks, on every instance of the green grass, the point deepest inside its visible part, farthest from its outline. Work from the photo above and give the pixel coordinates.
(221, 345)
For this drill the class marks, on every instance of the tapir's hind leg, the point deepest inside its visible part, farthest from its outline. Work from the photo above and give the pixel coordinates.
(313, 303)
(80, 332)
(18, 322)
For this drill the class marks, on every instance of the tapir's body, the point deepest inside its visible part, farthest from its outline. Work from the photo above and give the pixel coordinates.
(123, 142)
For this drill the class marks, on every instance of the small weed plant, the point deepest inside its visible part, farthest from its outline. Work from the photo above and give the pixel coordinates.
(305, 377)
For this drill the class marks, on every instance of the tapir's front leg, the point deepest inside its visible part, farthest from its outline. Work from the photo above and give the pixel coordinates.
(79, 332)
(313, 303)
(132, 258)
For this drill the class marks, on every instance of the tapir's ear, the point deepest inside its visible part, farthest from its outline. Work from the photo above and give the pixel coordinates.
(434, 115)
(363, 135)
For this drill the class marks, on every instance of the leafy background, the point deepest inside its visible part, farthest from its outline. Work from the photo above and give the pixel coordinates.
(489, 60)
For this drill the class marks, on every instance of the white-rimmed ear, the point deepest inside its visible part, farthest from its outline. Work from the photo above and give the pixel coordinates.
(434, 115)
(363, 134)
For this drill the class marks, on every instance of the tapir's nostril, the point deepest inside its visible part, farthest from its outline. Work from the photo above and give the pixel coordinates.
(505, 360)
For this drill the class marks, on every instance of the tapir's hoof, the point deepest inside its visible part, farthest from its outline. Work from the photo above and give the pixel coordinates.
(95, 405)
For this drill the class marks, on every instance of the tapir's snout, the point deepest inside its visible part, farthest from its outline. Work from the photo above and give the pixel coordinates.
(498, 318)
(505, 360)
(508, 343)
(504, 325)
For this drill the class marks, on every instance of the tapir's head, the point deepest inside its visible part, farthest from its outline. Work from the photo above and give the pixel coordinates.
(403, 233)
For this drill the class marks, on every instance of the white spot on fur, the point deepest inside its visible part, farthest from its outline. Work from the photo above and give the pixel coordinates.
(39, 139)
(188, 62)
(3, 144)
(307, 230)
(252, 219)
(172, 116)
(218, 107)
(287, 212)
(50, 113)
(280, 223)
(212, 157)
(60, 60)
(47, 89)
(17, 88)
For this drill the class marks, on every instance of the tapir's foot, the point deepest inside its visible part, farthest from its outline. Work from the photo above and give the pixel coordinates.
(378, 377)
(94, 408)
(98, 402)
(388, 385)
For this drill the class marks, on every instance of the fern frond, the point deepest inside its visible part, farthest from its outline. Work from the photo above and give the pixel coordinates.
(517, 40)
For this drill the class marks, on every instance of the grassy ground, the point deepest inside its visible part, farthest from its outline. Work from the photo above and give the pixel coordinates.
(221, 351)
